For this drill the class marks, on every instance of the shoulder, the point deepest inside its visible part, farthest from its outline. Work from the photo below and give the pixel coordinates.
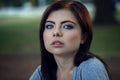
(92, 69)
(91, 63)
(36, 74)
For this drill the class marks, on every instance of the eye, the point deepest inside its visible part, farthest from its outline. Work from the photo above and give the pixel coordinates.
(68, 26)
(49, 26)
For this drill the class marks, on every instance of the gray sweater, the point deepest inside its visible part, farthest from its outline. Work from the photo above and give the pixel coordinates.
(91, 69)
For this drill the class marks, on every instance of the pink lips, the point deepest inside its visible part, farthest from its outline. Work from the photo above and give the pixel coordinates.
(57, 44)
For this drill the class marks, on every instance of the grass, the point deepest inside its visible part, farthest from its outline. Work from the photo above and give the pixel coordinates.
(106, 41)
(20, 36)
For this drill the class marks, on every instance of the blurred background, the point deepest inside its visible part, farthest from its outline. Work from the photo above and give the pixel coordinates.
(19, 35)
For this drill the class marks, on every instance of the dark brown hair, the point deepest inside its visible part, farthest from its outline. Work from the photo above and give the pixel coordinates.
(48, 64)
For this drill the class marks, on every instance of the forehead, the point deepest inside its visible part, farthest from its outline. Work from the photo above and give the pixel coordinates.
(61, 15)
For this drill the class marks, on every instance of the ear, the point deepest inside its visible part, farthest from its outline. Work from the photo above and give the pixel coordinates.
(83, 38)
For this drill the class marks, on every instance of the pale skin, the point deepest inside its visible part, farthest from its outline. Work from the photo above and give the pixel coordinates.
(62, 37)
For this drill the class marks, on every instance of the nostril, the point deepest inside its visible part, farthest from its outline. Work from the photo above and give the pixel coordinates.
(57, 34)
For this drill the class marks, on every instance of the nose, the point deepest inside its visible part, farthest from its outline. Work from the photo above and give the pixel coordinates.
(57, 33)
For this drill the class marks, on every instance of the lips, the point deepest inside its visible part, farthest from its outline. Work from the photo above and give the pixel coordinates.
(57, 44)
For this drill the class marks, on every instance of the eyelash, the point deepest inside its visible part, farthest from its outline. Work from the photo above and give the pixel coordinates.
(50, 26)
(68, 27)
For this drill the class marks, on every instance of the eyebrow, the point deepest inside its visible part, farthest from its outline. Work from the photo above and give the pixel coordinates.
(61, 22)
(48, 21)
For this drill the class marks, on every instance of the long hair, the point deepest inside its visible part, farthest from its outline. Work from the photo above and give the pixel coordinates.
(48, 64)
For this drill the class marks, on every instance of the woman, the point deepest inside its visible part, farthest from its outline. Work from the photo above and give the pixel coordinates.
(65, 39)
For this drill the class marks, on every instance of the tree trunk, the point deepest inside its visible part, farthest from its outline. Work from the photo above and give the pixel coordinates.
(104, 12)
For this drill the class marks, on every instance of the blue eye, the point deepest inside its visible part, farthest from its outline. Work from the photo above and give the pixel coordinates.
(49, 26)
(68, 26)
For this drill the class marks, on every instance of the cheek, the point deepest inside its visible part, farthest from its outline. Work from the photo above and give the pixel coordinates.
(75, 38)
(45, 37)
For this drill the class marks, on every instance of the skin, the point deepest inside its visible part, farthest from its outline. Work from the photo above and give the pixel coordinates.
(62, 37)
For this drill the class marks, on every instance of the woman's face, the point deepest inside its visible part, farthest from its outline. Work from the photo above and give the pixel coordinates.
(62, 34)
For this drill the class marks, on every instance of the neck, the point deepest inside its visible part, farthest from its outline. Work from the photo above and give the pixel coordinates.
(64, 63)
(65, 67)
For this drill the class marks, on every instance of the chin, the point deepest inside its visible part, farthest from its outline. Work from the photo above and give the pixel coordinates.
(57, 53)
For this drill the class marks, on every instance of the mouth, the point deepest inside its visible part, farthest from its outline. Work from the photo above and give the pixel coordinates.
(57, 44)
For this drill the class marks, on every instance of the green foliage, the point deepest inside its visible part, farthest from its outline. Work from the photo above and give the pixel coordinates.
(49, 1)
(16, 3)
